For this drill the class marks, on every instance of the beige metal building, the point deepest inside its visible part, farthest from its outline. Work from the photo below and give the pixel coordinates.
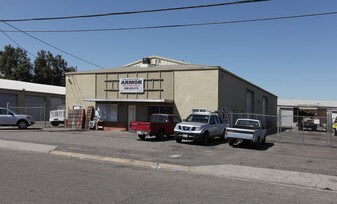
(161, 85)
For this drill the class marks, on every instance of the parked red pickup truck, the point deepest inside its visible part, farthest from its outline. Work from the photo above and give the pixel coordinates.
(159, 126)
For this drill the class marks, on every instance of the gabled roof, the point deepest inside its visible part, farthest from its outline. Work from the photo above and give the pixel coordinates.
(31, 87)
(158, 61)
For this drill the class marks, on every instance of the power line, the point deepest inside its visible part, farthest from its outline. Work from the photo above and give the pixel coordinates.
(133, 12)
(51, 45)
(17, 43)
(178, 25)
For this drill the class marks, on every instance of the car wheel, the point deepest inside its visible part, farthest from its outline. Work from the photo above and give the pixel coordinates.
(231, 142)
(55, 123)
(22, 124)
(160, 135)
(206, 138)
(222, 137)
(142, 137)
(335, 131)
(257, 143)
(264, 140)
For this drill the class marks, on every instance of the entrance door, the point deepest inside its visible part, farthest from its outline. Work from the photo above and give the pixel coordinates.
(131, 114)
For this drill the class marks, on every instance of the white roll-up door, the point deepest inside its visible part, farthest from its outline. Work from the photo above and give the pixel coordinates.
(287, 115)
(34, 107)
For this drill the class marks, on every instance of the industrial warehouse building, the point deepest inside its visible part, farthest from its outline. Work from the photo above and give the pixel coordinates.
(31, 98)
(292, 110)
(161, 85)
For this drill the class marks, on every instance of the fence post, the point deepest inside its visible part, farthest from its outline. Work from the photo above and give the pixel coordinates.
(302, 131)
(44, 114)
(278, 126)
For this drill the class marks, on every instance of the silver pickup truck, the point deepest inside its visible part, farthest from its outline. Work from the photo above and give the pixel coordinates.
(246, 130)
(200, 126)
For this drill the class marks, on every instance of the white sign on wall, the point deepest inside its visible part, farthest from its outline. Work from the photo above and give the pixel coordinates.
(131, 85)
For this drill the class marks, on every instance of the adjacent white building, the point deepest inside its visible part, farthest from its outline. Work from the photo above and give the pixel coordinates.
(25, 97)
(291, 109)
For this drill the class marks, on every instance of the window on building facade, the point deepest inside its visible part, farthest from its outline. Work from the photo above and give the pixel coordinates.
(108, 112)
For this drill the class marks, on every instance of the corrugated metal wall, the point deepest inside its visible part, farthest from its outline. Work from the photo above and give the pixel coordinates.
(12, 99)
(34, 101)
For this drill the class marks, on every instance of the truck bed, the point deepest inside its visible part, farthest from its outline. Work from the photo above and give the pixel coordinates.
(240, 133)
(140, 126)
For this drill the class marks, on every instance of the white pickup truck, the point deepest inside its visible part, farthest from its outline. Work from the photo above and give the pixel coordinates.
(57, 117)
(246, 130)
(200, 126)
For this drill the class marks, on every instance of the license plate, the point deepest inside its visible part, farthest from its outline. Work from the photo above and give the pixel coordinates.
(185, 135)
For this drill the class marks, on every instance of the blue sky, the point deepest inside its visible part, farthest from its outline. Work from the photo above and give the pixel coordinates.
(294, 59)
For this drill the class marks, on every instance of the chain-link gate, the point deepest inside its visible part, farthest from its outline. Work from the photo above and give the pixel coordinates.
(305, 130)
(292, 129)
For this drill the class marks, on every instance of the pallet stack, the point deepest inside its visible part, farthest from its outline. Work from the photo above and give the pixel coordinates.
(76, 118)
(90, 116)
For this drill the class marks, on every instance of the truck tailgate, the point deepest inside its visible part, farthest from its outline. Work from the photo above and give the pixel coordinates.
(240, 133)
(140, 126)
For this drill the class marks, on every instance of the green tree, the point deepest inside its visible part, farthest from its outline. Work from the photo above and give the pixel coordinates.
(47, 69)
(15, 64)
(50, 70)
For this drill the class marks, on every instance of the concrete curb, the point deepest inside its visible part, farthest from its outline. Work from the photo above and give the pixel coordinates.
(319, 181)
(25, 146)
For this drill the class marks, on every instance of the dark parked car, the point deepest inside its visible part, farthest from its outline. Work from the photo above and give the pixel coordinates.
(307, 123)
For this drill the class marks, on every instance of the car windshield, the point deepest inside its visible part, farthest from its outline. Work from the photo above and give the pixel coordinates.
(197, 118)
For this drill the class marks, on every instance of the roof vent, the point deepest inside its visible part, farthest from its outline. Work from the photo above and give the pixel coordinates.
(146, 60)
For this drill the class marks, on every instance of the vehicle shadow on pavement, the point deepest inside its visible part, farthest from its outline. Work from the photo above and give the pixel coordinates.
(28, 129)
(262, 147)
(213, 142)
(154, 139)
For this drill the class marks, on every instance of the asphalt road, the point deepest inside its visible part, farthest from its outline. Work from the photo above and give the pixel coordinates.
(42, 178)
(281, 156)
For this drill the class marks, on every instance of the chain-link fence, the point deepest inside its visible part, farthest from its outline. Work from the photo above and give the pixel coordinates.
(268, 121)
(37, 112)
(305, 130)
(290, 128)
(294, 129)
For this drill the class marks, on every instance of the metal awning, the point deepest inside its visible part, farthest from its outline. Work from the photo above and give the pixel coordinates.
(128, 100)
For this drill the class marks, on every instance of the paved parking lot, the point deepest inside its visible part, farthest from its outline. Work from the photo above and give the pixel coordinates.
(283, 156)
(307, 137)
